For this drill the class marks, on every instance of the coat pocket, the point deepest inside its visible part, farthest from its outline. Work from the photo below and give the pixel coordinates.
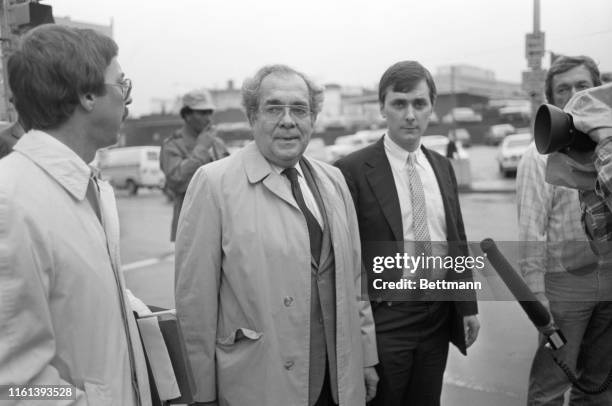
(98, 394)
(241, 363)
(238, 335)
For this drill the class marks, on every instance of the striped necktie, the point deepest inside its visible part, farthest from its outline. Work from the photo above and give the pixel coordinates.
(422, 239)
(419, 205)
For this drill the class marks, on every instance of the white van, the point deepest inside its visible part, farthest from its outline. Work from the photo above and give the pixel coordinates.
(131, 167)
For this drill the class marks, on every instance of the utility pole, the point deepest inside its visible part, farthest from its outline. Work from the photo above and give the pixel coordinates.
(454, 104)
(533, 80)
(7, 112)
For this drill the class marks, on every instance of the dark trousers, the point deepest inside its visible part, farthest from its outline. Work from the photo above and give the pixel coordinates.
(586, 323)
(325, 398)
(412, 350)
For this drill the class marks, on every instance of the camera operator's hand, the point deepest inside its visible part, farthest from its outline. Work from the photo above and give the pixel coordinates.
(541, 296)
(591, 116)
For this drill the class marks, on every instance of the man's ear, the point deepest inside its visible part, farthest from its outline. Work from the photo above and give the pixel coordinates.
(87, 101)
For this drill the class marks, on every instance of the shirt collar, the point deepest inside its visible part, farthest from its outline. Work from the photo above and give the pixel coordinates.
(59, 161)
(280, 170)
(400, 154)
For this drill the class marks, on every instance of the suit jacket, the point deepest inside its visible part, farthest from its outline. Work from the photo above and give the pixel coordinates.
(243, 284)
(370, 180)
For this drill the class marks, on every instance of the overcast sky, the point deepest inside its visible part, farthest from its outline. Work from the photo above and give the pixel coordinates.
(168, 47)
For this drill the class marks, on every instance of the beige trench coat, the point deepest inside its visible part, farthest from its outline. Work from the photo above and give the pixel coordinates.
(243, 285)
(64, 317)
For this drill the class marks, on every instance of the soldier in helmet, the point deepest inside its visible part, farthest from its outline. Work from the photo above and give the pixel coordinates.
(190, 147)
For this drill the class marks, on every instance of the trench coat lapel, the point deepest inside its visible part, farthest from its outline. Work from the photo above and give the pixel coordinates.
(258, 168)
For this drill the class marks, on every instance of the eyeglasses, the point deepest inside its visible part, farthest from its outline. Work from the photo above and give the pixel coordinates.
(125, 86)
(276, 111)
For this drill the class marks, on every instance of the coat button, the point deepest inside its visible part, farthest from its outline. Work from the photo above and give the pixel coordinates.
(289, 365)
(288, 301)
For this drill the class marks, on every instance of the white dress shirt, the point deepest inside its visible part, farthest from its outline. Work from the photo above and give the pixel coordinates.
(309, 198)
(436, 218)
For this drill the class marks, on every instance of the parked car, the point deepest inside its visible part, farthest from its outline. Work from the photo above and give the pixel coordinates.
(370, 136)
(439, 144)
(337, 151)
(462, 115)
(496, 133)
(346, 144)
(316, 149)
(463, 136)
(131, 167)
(511, 151)
(517, 115)
(461, 164)
(433, 118)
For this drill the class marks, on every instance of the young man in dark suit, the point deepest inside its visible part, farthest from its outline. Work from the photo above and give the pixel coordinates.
(406, 196)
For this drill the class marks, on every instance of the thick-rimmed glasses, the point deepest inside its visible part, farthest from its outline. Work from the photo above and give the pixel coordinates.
(276, 111)
(125, 86)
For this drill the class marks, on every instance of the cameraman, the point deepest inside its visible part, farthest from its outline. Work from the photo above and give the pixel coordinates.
(560, 267)
(592, 115)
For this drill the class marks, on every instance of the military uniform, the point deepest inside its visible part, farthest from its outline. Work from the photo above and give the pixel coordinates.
(181, 156)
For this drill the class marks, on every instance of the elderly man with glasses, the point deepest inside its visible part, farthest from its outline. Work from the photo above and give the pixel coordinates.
(268, 265)
(65, 321)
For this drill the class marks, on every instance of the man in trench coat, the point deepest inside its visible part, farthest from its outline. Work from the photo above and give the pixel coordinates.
(268, 265)
(64, 316)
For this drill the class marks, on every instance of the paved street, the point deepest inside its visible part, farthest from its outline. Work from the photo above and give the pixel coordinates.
(496, 371)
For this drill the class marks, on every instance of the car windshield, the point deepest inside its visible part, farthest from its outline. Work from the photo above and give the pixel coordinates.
(502, 128)
(518, 143)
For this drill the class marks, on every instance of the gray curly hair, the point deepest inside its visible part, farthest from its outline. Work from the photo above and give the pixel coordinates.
(252, 86)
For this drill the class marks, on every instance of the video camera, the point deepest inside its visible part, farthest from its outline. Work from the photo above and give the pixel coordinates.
(554, 128)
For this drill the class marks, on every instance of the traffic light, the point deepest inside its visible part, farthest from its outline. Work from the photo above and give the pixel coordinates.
(30, 14)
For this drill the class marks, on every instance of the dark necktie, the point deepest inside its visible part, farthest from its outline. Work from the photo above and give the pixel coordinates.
(314, 230)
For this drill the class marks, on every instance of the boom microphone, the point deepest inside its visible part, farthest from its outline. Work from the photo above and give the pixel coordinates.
(537, 313)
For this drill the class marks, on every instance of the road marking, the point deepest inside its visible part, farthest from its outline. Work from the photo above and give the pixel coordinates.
(462, 383)
(169, 256)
